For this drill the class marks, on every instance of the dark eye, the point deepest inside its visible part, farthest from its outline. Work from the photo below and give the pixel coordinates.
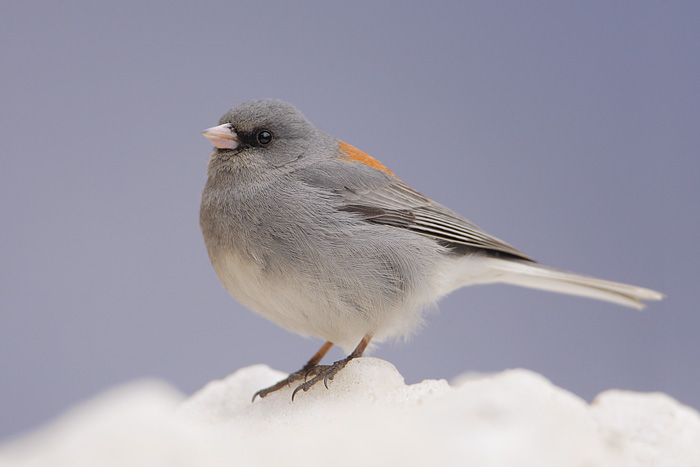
(264, 137)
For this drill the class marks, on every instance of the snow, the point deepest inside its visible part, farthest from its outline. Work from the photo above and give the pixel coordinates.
(367, 417)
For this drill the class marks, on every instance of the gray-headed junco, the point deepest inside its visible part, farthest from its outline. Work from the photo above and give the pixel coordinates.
(324, 240)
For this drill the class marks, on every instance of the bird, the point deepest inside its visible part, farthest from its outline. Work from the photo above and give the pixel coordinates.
(324, 240)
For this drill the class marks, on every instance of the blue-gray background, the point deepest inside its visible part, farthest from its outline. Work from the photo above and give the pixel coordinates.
(570, 130)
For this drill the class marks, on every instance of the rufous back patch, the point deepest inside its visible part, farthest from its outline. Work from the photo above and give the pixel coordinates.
(355, 155)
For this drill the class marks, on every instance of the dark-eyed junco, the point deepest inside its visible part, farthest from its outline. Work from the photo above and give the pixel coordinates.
(324, 240)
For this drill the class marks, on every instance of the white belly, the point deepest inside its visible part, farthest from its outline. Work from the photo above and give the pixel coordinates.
(310, 308)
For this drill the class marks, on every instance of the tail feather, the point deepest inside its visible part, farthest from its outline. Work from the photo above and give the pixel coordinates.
(536, 276)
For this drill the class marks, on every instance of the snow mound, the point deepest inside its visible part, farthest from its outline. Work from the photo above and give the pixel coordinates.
(367, 417)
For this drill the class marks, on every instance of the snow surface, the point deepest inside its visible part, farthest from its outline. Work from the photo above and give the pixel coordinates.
(368, 417)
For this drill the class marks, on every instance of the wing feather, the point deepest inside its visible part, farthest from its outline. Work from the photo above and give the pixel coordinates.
(379, 197)
(399, 205)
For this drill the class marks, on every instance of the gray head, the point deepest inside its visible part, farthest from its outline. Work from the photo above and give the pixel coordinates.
(263, 133)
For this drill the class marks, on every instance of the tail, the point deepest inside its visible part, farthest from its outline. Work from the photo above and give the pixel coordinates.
(536, 276)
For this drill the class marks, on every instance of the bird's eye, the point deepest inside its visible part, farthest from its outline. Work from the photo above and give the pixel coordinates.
(264, 137)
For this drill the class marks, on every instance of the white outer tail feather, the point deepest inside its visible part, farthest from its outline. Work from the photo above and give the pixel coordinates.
(536, 276)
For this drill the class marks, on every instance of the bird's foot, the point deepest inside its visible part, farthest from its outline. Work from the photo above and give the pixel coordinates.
(304, 374)
(319, 372)
(323, 373)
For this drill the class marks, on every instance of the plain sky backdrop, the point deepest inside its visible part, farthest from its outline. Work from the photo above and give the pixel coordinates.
(569, 129)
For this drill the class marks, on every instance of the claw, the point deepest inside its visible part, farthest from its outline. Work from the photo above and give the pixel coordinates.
(319, 372)
(301, 374)
(301, 386)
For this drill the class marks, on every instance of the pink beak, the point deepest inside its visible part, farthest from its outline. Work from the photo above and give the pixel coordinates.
(222, 136)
